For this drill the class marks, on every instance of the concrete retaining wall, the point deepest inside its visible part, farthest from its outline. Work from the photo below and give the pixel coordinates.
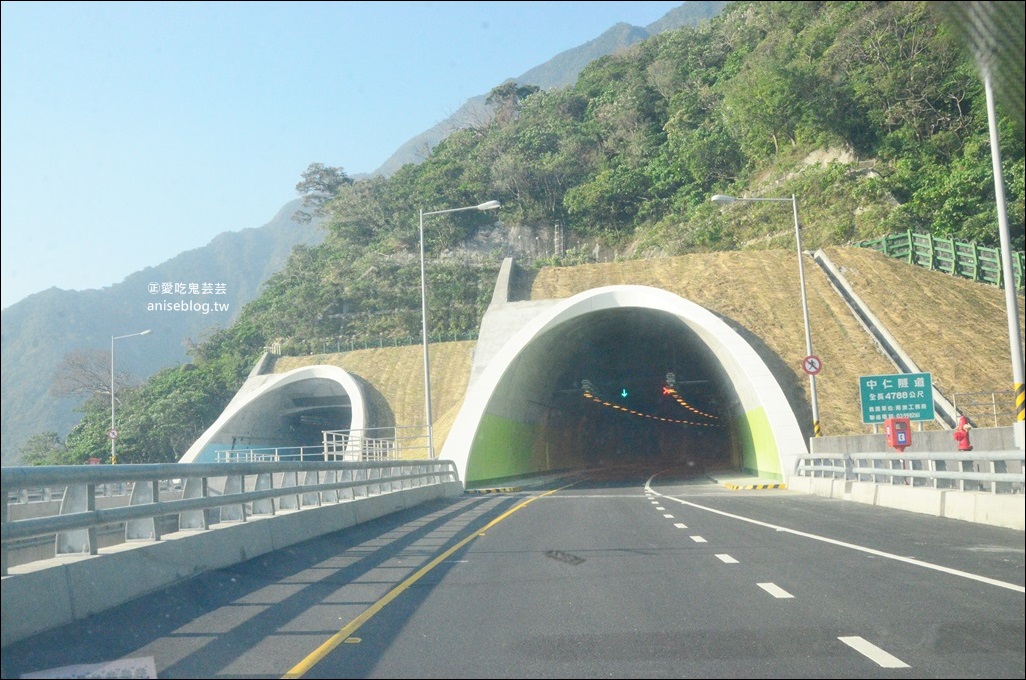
(939, 441)
(50, 593)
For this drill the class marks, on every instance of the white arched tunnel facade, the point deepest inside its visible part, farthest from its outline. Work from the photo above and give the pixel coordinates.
(284, 410)
(499, 431)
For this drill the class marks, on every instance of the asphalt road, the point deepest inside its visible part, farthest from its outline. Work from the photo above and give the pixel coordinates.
(635, 574)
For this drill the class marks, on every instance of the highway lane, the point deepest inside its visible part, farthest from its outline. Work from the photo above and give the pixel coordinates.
(635, 574)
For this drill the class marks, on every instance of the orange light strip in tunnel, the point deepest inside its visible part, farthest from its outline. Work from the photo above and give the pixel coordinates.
(633, 412)
(676, 397)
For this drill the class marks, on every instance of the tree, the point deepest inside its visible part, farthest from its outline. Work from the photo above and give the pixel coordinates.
(85, 372)
(320, 184)
(505, 100)
(762, 107)
(47, 448)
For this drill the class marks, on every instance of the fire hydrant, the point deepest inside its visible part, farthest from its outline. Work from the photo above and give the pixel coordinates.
(961, 434)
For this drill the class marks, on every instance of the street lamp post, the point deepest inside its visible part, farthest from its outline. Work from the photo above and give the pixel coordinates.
(720, 199)
(113, 433)
(490, 205)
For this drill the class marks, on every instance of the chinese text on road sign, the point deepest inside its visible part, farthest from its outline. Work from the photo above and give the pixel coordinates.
(906, 395)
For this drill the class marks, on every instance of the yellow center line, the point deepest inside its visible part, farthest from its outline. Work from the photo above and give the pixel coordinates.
(301, 668)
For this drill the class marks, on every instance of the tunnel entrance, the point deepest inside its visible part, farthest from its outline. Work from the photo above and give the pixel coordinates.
(637, 386)
(581, 384)
(284, 415)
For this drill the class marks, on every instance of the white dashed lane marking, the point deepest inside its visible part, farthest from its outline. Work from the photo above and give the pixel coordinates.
(775, 590)
(872, 652)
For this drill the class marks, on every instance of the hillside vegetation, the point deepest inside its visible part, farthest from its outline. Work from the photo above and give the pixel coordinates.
(872, 113)
(954, 329)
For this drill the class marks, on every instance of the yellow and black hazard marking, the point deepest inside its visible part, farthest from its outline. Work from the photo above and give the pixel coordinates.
(738, 487)
(495, 489)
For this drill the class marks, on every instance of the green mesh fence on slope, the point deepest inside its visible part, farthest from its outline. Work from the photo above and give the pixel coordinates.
(959, 258)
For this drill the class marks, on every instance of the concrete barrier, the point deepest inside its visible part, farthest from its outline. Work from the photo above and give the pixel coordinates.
(51, 593)
(982, 507)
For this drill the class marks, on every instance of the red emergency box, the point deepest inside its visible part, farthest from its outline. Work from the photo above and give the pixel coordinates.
(899, 433)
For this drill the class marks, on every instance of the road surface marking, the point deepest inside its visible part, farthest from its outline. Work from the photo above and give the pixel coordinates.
(879, 553)
(874, 653)
(775, 590)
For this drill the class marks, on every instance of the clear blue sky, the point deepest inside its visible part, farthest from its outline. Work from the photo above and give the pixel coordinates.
(134, 131)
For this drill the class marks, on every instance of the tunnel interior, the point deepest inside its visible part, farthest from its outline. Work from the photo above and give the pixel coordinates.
(615, 387)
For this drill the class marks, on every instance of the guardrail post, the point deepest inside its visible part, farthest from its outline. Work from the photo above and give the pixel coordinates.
(291, 501)
(330, 477)
(235, 512)
(966, 466)
(195, 487)
(362, 475)
(346, 493)
(146, 528)
(77, 498)
(311, 478)
(264, 506)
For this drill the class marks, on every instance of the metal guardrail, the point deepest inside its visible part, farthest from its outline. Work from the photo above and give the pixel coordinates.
(191, 496)
(992, 471)
(273, 454)
(958, 258)
(980, 407)
(376, 443)
(368, 444)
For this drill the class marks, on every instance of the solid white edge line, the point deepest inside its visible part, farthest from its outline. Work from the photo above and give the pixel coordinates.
(871, 551)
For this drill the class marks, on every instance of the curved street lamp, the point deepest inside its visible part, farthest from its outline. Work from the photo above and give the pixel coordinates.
(113, 433)
(489, 205)
(720, 199)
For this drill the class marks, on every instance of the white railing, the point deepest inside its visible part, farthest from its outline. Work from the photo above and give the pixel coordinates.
(992, 471)
(167, 498)
(376, 443)
(369, 444)
(270, 454)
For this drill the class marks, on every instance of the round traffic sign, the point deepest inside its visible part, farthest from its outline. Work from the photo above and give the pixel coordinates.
(112, 433)
(812, 364)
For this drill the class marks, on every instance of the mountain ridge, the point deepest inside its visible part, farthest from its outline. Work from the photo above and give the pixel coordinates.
(76, 317)
(38, 330)
(560, 71)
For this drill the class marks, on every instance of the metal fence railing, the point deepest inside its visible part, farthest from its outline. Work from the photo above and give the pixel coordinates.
(959, 258)
(984, 407)
(367, 444)
(144, 502)
(377, 443)
(991, 471)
